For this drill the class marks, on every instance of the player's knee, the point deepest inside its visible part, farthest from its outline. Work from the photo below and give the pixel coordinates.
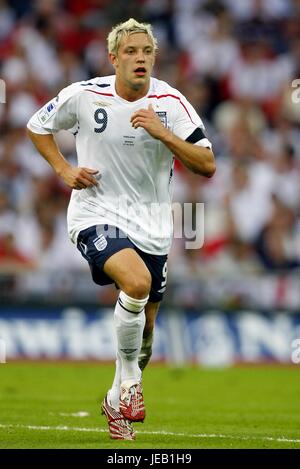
(138, 286)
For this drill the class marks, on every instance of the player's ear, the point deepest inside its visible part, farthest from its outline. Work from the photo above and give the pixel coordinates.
(154, 59)
(113, 59)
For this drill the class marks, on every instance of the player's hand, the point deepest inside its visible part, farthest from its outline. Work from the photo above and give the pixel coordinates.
(79, 178)
(149, 120)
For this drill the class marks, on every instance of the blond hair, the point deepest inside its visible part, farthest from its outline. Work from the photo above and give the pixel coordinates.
(125, 29)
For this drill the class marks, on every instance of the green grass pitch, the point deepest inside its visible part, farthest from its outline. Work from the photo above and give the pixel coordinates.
(241, 407)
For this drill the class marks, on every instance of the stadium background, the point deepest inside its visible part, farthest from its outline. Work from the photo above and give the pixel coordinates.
(235, 300)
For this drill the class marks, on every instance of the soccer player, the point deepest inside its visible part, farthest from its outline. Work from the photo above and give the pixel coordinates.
(128, 129)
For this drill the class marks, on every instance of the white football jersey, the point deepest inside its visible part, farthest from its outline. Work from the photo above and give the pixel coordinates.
(135, 170)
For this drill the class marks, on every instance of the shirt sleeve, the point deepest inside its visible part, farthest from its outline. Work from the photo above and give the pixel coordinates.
(58, 114)
(188, 125)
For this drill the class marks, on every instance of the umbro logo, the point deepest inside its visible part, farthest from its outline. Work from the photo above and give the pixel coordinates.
(101, 103)
(83, 247)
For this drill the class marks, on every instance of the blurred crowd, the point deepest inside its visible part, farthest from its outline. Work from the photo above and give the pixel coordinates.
(236, 62)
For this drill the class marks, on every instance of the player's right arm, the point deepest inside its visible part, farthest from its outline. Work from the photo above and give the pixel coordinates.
(60, 113)
(75, 178)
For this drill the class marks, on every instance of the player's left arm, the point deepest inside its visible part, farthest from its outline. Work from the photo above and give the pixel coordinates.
(198, 159)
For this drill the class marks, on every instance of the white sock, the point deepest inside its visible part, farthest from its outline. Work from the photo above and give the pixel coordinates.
(129, 319)
(114, 392)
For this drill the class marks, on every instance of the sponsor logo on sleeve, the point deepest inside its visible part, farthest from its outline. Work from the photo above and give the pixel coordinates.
(46, 112)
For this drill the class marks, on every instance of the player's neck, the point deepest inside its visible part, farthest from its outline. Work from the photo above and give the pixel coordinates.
(130, 94)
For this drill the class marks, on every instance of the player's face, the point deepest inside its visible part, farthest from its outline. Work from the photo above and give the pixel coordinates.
(134, 61)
